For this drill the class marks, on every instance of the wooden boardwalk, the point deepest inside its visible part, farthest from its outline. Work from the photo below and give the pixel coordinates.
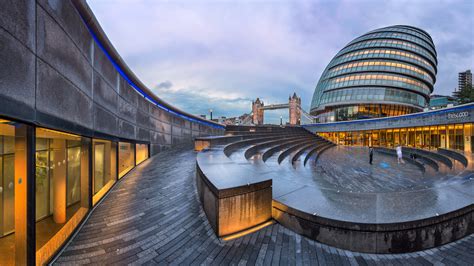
(153, 216)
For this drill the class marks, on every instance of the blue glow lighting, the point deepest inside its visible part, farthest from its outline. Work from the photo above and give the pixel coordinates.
(141, 92)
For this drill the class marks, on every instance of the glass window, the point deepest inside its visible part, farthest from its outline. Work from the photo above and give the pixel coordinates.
(126, 158)
(104, 169)
(12, 193)
(62, 185)
(141, 153)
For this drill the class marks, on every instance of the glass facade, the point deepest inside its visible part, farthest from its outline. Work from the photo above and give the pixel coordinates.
(12, 193)
(126, 157)
(105, 167)
(393, 66)
(61, 176)
(141, 153)
(455, 136)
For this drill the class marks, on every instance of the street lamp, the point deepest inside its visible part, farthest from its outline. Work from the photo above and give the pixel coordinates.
(210, 111)
(281, 120)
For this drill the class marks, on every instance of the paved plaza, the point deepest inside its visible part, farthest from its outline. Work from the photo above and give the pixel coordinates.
(154, 216)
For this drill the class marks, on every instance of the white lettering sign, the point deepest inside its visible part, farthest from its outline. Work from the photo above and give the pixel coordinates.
(458, 115)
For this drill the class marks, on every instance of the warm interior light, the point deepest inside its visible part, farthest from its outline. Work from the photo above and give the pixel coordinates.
(247, 231)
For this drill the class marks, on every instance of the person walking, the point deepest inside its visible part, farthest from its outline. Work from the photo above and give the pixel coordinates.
(399, 154)
(371, 154)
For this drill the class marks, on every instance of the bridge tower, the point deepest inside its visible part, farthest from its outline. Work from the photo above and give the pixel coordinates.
(257, 112)
(294, 103)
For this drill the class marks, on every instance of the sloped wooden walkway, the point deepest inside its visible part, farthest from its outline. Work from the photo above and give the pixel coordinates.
(153, 216)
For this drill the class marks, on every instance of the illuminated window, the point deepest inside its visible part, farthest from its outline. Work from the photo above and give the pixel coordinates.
(141, 153)
(62, 182)
(104, 169)
(126, 158)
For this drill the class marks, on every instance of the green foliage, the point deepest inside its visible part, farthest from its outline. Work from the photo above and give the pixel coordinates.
(465, 95)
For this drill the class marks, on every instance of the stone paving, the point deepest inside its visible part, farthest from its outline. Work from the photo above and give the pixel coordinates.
(153, 216)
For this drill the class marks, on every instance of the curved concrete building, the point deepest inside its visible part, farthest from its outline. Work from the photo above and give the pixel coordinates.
(386, 72)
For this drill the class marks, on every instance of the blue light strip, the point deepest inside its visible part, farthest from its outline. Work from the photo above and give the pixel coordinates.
(146, 96)
(374, 120)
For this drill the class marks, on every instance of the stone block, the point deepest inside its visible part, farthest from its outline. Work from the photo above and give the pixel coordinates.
(57, 96)
(56, 48)
(143, 119)
(126, 110)
(17, 74)
(126, 129)
(104, 94)
(160, 138)
(70, 20)
(105, 121)
(143, 134)
(127, 92)
(18, 18)
(104, 67)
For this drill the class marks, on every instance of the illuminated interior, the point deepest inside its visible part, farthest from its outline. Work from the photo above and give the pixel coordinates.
(105, 167)
(62, 189)
(126, 158)
(62, 181)
(12, 195)
(141, 153)
(457, 136)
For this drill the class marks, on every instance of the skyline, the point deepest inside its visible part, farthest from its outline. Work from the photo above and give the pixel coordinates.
(223, 55)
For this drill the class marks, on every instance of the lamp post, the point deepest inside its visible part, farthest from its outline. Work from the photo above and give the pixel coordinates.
(210, 111)
(281, 120)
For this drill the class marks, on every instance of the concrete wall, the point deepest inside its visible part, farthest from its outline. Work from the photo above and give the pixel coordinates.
(54, 74)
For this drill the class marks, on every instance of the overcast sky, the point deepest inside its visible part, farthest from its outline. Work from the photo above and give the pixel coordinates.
(199, 55)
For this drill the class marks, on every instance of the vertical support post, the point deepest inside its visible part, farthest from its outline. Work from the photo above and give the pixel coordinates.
(59, 181)
(25, 208)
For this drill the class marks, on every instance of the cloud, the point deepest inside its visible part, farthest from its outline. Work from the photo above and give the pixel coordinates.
(226, 53)
(164, 85)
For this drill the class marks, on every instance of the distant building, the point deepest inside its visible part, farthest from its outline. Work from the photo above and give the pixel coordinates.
(441, 101)
(464, 79)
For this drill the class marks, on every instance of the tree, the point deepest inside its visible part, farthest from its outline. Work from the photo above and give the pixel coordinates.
(465, 94)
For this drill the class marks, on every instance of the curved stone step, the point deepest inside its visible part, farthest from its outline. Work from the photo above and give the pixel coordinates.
(433, 155)
(314, 150)
(393, 153)
(291, 149)
(322, 150)
(268, 153)
(230, 148)
(425, 159)
(454, 155)
(255, 148)
(301, 151)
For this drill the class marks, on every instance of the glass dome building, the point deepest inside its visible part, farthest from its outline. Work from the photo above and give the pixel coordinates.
(385, 72)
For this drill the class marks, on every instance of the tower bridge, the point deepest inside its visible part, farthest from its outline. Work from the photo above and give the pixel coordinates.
(293, 106)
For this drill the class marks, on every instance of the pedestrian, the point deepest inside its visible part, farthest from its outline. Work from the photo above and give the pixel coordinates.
(371, 154)
(399, 154)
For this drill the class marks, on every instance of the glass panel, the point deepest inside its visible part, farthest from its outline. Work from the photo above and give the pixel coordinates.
(104, 168)
(12, 195)
(62, 185)
(126, 158)
(141, 153)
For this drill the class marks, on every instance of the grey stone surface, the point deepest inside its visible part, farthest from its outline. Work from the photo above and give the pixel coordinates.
(126, 110)
(104, 94)
(17, 74)
(63, 55)
(57, 96)
(153, 216)
(105, 121)
(18, 18)
(126, 129)
(70, 20)
(104, 67)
